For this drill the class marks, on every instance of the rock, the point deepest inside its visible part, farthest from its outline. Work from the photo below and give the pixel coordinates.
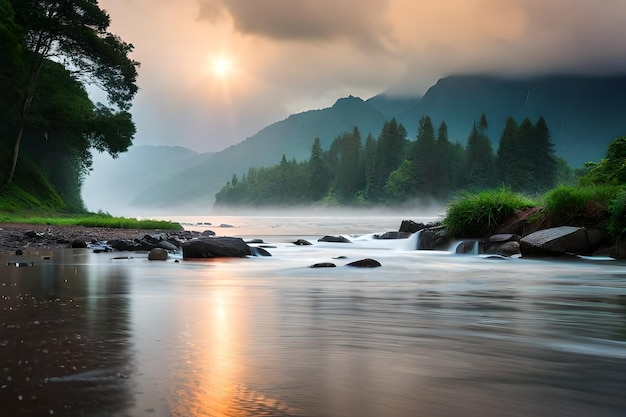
(365, 263)
(334, 239)
(31, 234)
(505, 249)
(256, 241)
(434, 238)
(409, 226)
(619, 251)
(215, 247)
(125, 245)
(158, 254)
(393, 235)
(505, 244)
(155, 238)
(79, 243)
(164, 244)
(225, 225)
(302, 242)
(19, 252)
(207, 233)
(259, 251)
(556, 241)
(323, 265)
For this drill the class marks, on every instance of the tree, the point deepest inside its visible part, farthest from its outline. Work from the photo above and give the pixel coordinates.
(480, 160)
(544, 165)
(389, 154)
(317, 177)
(508, 154)
(424, 157)
(73, 33)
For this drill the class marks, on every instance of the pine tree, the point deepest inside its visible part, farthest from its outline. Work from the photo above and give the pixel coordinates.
(480, 160)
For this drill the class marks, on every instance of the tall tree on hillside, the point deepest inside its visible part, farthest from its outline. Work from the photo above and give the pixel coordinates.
(317, 177)
(525, 179)
(480, 160)
(11, 64)
(445, 165)
(390, 152)
(544, 163)
(424, 157)
(349, 176)
(508, 154)
(74, 33)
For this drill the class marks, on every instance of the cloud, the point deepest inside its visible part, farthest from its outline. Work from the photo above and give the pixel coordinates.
(290, 56)
(305, 20)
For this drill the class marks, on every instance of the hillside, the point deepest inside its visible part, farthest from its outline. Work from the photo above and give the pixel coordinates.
(584, 115)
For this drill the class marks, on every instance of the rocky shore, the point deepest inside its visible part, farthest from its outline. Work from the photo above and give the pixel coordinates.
(22, 236)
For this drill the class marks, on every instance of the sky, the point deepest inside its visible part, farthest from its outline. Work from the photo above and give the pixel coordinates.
(214, 72)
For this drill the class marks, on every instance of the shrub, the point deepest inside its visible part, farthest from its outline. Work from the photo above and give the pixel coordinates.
(475, 215)
(580, 206)
(617, 221)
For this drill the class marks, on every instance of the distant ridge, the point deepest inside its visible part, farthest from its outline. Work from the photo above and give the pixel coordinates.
(584, 113)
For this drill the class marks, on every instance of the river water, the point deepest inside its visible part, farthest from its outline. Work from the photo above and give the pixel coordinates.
(426, 334)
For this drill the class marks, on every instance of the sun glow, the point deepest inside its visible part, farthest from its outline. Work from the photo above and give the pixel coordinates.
(222, 67)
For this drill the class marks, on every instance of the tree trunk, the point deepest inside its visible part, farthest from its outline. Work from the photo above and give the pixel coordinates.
(16, 151)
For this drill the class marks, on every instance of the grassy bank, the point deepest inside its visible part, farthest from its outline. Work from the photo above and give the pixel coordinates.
(596, 206)
(94, 220)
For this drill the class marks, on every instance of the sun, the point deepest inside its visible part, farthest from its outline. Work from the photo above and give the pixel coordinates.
(222, 67)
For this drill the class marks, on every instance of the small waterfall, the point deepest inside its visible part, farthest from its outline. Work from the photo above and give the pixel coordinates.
(417, 239)
(468, 247)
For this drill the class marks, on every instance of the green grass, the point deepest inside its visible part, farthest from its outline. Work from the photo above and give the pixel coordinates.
(475, 215)
(581, 206)
(95, 220)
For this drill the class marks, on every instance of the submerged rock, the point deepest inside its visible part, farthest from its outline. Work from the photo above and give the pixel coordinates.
(323, 265)
(334, 239)
(365, 263)
(302, 242)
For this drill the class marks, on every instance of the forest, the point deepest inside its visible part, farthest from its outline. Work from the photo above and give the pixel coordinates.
(51, 52)
(392, 169)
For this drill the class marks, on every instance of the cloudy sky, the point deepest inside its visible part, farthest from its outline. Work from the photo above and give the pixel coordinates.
(214, 72)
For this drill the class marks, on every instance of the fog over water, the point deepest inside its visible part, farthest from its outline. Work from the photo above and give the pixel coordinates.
(429, 333)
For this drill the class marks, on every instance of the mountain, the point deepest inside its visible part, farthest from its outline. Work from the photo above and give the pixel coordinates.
(293, 137)
(117, 181)
(584, 114)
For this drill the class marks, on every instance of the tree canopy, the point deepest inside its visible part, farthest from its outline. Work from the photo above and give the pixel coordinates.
(55, 48)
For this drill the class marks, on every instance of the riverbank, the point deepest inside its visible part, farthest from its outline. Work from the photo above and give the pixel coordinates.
(22, 236)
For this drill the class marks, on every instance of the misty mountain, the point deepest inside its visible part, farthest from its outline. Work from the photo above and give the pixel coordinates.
(583, 113)
(116, 182)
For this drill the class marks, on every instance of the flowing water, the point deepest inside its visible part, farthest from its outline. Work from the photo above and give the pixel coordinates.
(426, 334)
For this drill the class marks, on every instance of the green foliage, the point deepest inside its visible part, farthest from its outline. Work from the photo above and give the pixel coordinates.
(394, 170)
(50, 50)
(610, 170)
(617, 221)
(476, 215)
(580, 206)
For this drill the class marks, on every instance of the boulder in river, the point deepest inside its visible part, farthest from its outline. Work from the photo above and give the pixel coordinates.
(157, 254)
(556, 241)
(216, 247)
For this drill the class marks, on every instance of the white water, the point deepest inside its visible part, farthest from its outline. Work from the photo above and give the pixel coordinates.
(426, 334)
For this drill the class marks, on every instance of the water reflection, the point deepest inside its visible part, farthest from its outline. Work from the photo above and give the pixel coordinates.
(64, 328)
(427, 334)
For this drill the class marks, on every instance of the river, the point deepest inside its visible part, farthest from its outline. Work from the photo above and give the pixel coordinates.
(427, 334)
